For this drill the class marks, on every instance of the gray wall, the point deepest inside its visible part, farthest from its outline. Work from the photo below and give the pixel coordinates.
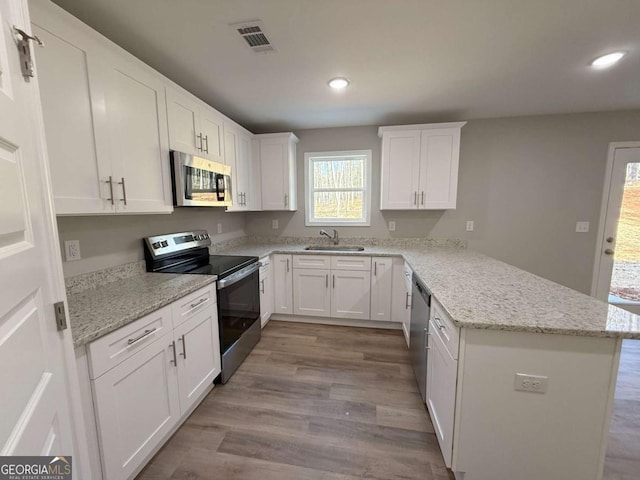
(107, 241)
(525, 182)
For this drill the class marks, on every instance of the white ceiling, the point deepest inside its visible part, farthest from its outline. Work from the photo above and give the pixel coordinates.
(409, 61)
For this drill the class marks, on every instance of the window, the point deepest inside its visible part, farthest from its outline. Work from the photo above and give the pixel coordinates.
(338, 188)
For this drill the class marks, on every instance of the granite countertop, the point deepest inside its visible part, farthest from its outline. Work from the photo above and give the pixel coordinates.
(95, 312)
(481, 292)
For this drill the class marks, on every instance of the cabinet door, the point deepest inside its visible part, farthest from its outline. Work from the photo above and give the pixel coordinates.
(266, 293)
(244, 170)
(350, 294)
(231, 159)
(311, 292)
(136, 115)
(381, 289)
(75, 125)
(211, 130)
(439, 156)
(136, 406)
(400, 170)
(198, 352)
(183, 113)
(282, 284)
(441, 392)
(275, 174)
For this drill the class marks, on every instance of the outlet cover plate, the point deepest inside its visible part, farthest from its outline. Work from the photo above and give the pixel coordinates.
(470, 225)
(72, 250)
(392, 226)
(582, 227)
(531, 383)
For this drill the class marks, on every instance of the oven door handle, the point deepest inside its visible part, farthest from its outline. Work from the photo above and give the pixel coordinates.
(239, 275)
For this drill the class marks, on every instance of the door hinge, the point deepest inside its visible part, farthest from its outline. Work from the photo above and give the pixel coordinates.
(61, 316)
(26, 57)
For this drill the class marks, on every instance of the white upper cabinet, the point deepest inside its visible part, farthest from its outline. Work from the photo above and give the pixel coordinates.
(194, 127)
(138, 138)
(420, 166)
(105, 121)
(277, 153)
(245, 173)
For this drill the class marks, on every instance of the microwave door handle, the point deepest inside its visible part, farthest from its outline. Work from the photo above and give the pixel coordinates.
(188, 183)
(220, 187)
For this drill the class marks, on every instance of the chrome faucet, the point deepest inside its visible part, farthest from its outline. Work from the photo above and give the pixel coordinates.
(334, 239)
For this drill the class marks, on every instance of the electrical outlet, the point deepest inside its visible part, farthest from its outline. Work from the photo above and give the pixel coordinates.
(582, 227)
(469, 225)
(219, 228)
(72, 250)
(274, 224)
(531, 383)
(392, 226)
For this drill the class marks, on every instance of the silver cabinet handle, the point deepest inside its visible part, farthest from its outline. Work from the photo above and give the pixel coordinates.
(326, 281)
(426, 334)
(172, 345)
(609, 251)
(197, 304)
(184, 347)
(406, 301)
(110, 182)
(244, 199)
(334, 281)
(438, 324)
(124, 191)
(286, 200)
(287, 265)
(148, 332)
(199, 137)
(422, 198)
(375, 269)
(206, 141)
(262, 288)
(415, 198)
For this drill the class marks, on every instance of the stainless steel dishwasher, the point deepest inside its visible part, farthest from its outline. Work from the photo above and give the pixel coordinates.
(419, 330)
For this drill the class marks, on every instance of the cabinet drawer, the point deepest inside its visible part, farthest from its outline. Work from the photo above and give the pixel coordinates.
(312, 261)
(112, 349)
(351, 262)
(445, 329)
(187, 307)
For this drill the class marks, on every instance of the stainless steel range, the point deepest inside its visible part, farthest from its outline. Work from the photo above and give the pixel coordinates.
(238, 288)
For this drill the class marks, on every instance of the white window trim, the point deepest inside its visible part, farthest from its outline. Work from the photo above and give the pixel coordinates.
(366, 201)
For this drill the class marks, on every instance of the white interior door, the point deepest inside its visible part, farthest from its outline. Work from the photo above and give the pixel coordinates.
(35, 417)
(617, 277)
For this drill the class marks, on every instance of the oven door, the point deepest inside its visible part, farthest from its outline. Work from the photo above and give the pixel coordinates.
(238, 304)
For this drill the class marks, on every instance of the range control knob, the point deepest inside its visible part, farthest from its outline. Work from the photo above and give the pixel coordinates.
(156, 245)
(164, 243)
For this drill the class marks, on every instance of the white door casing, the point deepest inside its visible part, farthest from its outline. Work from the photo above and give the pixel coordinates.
(619, 155)
(39, 387)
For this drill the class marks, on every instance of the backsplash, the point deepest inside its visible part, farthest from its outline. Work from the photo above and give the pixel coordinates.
(363, 241)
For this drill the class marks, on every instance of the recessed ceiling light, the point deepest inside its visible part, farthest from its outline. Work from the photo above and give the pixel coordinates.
(607, 60)
(338, 83)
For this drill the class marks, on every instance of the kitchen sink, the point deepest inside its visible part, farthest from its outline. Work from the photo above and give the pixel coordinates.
(334, 248)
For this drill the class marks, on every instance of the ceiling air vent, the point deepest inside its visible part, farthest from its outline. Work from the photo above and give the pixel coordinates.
(254, 35)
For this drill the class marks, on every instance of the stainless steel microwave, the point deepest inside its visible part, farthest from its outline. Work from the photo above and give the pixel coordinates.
(198, 182)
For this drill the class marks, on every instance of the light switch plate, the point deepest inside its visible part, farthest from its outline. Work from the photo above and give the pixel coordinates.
(219, 228)
(582, 227)
(469, 225)
(392, 226)
(274, 224)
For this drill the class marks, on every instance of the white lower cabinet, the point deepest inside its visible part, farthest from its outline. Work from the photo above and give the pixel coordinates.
(198, 356)
(381, 288)
(137, 404)
(442, 372)
(148, 376)
(311, 292)
(282, 284)
(351, 294)
(266, 290)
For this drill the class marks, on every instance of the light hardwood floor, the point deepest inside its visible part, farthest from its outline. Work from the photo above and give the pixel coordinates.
(339, 403)
(310, 402)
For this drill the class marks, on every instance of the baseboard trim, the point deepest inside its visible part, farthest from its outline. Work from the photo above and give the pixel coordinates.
(346, 322)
